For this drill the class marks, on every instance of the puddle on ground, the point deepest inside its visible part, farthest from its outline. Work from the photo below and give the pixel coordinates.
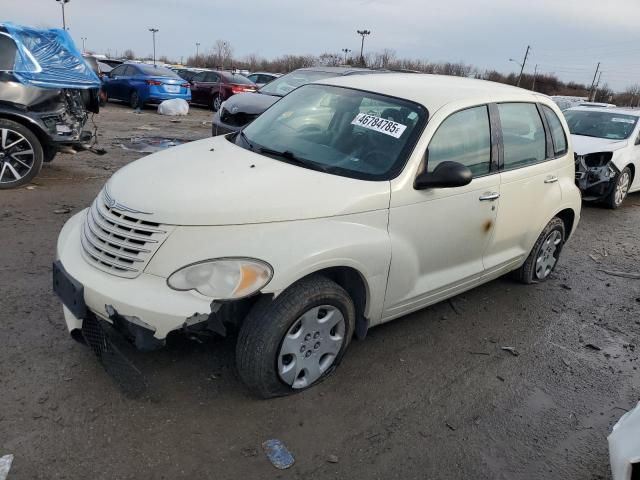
(149, 144)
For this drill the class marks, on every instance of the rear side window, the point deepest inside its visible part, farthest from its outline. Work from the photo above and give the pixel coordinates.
(7, 53)
(118, 71)
(211, 77)
(523, 135)
(130, 71)
(557, 132)
(199, 77)
(464, 137)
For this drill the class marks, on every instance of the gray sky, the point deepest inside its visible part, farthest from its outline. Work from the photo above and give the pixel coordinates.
(567, 37)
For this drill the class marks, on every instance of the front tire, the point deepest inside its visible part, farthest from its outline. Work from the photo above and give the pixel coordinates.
(21, 155)
(620, 189)
(544, 255)
(291, 343)
(134, 100)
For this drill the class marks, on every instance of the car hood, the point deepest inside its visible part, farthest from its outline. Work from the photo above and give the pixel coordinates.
(249, 103)
(215, 182)
(583, 145)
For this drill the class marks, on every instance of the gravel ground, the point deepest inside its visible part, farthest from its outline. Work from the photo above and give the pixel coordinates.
(432, 395)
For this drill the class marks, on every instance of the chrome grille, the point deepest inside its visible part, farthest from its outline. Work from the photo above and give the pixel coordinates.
(117, 242)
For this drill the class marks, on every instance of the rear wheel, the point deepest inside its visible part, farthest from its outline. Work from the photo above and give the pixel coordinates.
(293, 342)
(544, 255)
(21, 154)
(620, 190)
(216, 102)
(134, 100)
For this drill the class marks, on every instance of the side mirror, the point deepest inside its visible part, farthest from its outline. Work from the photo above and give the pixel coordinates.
(445, 175)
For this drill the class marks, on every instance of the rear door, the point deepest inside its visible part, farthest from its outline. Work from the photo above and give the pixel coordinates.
(529, 188)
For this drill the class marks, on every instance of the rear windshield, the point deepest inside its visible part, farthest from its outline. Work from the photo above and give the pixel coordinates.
(7, 53)
(156, 71)
(284, 84)
(237, 78)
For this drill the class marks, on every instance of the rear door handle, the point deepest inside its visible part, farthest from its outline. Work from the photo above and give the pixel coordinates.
(551, 179)
(489, 196)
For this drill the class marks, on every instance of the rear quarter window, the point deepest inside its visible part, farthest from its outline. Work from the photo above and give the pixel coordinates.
(557, 132)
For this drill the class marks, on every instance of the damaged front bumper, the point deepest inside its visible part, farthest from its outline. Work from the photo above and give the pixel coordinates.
(595, 175)
(144, 309)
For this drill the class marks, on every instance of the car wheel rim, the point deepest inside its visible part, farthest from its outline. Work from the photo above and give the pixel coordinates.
(216, 103)
(622, 187)
(311, 346)
(548, 254)
(16, 156)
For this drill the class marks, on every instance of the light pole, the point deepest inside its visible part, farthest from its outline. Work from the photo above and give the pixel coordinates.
(153, 32)
(62, 3)
(197, 49)
(346, 52)
(363, 33)
(84, 39)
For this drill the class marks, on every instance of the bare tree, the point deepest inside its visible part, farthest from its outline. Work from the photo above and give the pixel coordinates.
(128, 54)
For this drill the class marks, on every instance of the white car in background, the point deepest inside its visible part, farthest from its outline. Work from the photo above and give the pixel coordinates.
(346, 204)
(606, 143)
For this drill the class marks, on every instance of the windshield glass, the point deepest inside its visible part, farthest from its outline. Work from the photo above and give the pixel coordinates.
(284, 84)
(614, 126)
(157, 71)
(338, 130)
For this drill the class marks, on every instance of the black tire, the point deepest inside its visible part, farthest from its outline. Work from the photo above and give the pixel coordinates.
(215, 102)
(49, 153)
(528, 272)
(134, 100)
(35, 165)
(614, 200)
(264, 330)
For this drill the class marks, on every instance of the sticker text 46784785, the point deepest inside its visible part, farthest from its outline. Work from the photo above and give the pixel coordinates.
(382, 125)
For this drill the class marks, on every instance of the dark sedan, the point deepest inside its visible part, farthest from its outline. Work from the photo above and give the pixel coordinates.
(241, 110)
(214, 87)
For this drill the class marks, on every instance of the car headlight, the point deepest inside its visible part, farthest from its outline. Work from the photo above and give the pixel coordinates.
(223, 278)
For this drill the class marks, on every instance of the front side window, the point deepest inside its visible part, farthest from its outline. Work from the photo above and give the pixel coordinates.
(464, 137)
(557, 132)
(338, 130)
(613, 126)
(523, 135)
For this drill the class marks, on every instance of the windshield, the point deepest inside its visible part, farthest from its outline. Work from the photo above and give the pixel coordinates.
(338, 130)
(157, 71)
(284, 84)
(613, 126)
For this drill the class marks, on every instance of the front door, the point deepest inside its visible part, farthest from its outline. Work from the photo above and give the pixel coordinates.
(439, 235)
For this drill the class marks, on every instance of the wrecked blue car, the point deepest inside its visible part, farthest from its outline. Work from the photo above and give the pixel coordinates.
(47, 92)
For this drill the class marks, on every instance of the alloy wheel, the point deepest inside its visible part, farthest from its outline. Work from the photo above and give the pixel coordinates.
(548, 254)
(17, 156)
(311, 345)
(622, 187)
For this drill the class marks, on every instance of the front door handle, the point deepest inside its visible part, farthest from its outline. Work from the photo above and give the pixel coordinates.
(551, 179)
(489, 196)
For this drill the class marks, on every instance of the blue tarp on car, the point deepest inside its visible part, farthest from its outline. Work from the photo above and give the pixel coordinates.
(49, 59)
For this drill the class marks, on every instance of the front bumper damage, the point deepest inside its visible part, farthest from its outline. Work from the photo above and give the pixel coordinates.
(595, 175)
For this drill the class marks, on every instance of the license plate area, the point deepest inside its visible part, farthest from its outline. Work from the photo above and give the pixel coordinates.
(69, 290)
(172, 88)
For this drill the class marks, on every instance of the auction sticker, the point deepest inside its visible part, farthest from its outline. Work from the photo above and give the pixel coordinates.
(623, 120)
(388, 127)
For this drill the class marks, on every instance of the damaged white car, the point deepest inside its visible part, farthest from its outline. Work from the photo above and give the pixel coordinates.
(624, 446)
(606, 144)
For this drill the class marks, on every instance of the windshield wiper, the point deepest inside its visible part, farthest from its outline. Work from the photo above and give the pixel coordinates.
(290, 157)
(246, 139)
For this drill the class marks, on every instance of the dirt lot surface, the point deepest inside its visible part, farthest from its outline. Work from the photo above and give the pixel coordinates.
(431, 395)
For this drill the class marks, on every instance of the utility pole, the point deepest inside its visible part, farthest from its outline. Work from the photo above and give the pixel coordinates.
(84, 39)
(597, 85)
(62, 3)
(593, 82)
(535, 74)
(153, 32)
(197, 50)
(524, 62)
(346, 52)
(363, 33)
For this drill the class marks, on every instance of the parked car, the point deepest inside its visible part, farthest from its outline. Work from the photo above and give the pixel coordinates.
(607, 152)
(565, 102)
(242, 109)
(624, 446)
(262, 78)
(347, 204)
(211, 88)
(113, 63)
(596, 105)
(189, 73)
(140, 83)
(43, 112)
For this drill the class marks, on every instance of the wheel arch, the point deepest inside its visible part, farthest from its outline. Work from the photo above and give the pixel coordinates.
(35, 127)
(568, 217)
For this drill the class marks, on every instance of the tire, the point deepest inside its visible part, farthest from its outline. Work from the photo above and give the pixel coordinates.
(293, 323)
(216, 102)
(17, 167)
(620, 190)
(544, 255)
(134, 100)
(49, 153)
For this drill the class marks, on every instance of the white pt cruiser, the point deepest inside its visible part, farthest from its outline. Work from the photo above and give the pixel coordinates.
(347, 204)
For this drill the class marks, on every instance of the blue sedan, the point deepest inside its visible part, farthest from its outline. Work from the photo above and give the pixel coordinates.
(139, 83)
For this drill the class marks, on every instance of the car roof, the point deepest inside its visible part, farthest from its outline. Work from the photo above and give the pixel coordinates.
(622, 111)
(433, 91)
(266, 73)
(337, 70)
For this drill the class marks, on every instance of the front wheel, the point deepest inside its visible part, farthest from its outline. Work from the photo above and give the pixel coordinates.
(289, 344)
(21, 154)
(620, 190)
(544, 255)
